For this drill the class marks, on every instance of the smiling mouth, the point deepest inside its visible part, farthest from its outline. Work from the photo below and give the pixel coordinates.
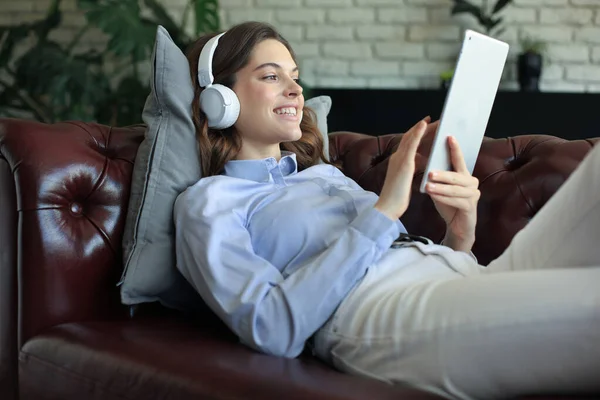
(286, 111)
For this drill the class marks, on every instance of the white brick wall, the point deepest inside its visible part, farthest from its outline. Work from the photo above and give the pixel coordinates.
(392, 43)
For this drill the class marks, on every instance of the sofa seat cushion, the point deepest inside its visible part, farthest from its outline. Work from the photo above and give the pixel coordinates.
(169, 358)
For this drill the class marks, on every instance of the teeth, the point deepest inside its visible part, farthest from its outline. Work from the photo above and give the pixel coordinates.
(286, 110)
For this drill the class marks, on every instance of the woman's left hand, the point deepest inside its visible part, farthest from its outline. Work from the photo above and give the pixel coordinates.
(455, 195)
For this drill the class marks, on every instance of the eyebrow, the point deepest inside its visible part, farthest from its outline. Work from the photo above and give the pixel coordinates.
(274, 65)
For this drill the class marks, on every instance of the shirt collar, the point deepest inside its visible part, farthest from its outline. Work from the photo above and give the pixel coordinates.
(259, 170)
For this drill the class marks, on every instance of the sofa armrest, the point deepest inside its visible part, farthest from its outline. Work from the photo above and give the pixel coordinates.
(517, 176)
(66, 187)
(8, 282)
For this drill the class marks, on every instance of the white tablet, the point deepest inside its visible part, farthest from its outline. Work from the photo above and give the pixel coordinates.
(469, 101)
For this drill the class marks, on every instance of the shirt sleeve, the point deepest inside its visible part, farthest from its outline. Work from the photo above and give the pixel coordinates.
(355, 186)
(268, 312)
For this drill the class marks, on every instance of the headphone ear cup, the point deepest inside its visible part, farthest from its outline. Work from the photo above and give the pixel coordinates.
(221, 106)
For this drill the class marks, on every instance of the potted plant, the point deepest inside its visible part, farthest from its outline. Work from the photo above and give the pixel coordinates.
(486, 16)
(54, 82)
(488, 19)
(530, 63)
(446, 78)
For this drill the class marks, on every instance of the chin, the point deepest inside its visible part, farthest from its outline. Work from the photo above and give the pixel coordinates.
(290, 135)
(296, 135)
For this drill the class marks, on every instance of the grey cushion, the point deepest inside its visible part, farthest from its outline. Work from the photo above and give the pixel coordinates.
(321, 105)
(166, 164)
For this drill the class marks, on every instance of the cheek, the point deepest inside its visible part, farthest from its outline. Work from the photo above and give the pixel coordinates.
(255, 97)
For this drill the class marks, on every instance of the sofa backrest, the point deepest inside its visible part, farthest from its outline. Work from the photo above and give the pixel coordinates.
(64, 190)
(517, 176)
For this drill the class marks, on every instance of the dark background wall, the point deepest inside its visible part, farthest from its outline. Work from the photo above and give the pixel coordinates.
(376, 112)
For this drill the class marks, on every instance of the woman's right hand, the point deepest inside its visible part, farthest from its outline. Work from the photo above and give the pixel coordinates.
(395, 194)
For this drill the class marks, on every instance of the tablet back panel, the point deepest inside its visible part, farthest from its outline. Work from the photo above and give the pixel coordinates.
(469, 101)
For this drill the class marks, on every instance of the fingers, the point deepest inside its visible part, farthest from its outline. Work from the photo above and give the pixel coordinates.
(411, 139)
(420, 130)
(452, 191)
(454, 178)
(459, 203)
(432, 127)
(407, 149)
(457, 157)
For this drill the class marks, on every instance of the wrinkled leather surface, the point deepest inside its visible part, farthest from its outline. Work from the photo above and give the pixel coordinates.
(63, 192)
(118, 359)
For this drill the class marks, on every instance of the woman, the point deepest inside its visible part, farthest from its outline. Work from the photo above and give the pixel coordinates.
(287, 251)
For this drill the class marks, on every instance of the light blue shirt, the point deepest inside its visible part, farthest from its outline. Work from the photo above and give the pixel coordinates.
(273, 251)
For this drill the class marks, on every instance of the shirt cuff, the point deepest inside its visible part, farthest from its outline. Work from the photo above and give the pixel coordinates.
(376, 226)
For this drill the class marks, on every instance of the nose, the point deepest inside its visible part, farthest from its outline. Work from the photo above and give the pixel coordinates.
(293, 89)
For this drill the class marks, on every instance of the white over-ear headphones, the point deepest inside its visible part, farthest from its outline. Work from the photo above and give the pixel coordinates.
(219, 103)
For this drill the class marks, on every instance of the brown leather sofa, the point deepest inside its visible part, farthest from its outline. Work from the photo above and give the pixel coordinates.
(63, 332)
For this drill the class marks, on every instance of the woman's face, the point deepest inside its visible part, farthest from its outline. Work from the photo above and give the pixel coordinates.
(271, 100)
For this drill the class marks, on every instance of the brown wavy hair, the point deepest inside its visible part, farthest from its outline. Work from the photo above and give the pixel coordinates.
(217, 146)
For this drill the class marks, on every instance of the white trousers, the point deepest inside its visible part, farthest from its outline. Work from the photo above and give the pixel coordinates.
(529, 323)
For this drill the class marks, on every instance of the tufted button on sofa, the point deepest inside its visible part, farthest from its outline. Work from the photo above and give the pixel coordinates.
(64, 191)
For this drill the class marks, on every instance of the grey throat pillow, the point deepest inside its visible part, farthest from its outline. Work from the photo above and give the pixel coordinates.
(167, 162)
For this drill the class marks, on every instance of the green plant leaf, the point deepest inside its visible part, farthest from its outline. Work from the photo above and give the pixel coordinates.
(67, 84)
(207, 16)
(125, 104)
(120, 19)
(8, 98)
(50, 22)
(495, 22)
(92, 56)
(12, 35)
(488, 22)
(17, 33)
(161, 16)
(463, 6)
(56, 84)
(533, 45)
(500, 5)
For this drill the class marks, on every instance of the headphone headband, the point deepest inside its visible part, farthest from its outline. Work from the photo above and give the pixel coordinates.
(205, 76)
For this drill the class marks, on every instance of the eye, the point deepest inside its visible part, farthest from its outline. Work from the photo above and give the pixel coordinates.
(270, 77)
